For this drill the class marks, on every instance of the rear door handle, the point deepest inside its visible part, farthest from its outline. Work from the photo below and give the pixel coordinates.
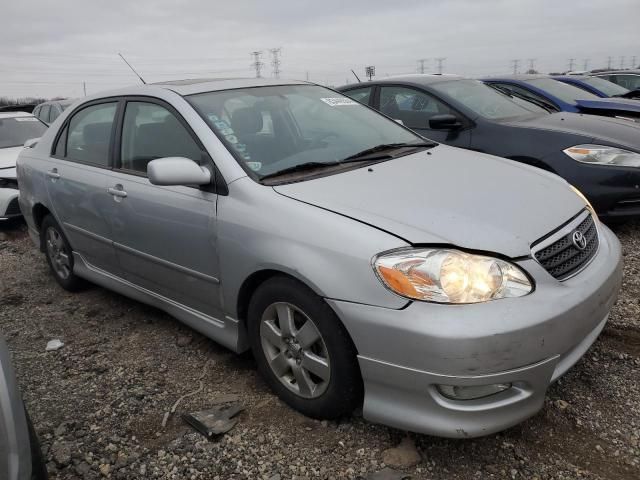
(53, 174)
(117, 191)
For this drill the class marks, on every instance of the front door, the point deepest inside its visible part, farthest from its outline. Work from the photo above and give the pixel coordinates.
(164, 237)
(77, 183)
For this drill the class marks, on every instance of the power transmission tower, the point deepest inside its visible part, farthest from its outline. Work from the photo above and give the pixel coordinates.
(440, 60)
(515, 64)
(621, 62)
(633, 62)
(532, 64)
(421, 62)
(571, 61)
(275, 61)
(308, 76)
(586, 64)
(84, 87)
(257, 64)
(609, 62)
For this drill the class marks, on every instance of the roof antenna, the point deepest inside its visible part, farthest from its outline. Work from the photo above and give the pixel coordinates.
(354, 74)
(132, 69)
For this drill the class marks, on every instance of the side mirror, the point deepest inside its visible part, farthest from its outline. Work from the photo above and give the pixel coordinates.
(177, 171)
(31, 143)
(445, 121)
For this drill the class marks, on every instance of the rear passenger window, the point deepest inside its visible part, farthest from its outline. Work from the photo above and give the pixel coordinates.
(89, 134)
(414, 108)
(43, 114)
(362, 95)
(151, 131)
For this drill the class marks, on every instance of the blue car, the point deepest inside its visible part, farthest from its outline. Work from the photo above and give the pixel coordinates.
(557, 96)
(598, 86)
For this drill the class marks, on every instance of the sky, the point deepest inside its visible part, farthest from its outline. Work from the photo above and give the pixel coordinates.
(59, 48)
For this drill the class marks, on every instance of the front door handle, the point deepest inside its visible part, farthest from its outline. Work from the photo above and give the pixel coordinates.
(53, 174)
(117, 191)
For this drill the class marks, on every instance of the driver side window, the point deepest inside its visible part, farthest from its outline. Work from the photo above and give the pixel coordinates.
(414, 108)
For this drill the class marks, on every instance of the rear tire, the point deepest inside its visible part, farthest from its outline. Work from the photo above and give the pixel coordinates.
(303, 351)
(59, 255)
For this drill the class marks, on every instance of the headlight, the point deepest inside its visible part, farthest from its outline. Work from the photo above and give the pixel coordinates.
(603, 155)
(449, 276)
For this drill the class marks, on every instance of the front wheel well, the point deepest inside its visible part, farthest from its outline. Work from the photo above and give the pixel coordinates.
(250, 285)
(39, 213)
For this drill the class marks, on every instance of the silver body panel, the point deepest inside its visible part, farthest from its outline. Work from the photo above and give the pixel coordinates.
(189, 252)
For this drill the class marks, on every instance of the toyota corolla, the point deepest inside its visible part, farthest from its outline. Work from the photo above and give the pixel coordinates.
(442, 289)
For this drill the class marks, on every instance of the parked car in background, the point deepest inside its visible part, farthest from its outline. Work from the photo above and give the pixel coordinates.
(598, 86)
(350, 254)
(629, 79)
(49, 111)
(15, 129)
(561, 97)
(599, 155)
(20, 455)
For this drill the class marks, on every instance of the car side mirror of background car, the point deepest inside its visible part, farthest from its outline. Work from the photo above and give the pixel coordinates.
(177, 171)
(31, 143)
(446, 121)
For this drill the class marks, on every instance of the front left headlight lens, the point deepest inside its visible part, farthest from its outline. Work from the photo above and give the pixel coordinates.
(603, 155)
(450, 276)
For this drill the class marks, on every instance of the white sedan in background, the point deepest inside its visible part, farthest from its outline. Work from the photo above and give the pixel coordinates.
(15, 129)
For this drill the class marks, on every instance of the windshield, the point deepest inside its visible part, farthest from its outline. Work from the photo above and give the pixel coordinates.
(566, 93)
(483, 99)
(610, 89)
(14, 131)
(273, 129)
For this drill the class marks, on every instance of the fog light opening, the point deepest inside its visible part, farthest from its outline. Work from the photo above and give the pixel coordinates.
(458, 392)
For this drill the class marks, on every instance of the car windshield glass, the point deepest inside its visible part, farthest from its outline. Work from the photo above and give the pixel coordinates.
(275, 129)
(608, 88)
(566, 93)
(483, 99)
(14, 131)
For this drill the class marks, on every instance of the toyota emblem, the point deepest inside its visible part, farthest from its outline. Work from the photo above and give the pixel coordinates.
(579, 240)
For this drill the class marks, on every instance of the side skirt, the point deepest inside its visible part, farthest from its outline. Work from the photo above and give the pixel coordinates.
(227, 332)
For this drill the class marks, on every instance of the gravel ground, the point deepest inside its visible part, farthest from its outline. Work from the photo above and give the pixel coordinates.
(99, 402)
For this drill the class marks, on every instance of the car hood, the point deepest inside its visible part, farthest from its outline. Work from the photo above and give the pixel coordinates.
(8, 156)
(597, 129)
(450, 196)
(620, 104)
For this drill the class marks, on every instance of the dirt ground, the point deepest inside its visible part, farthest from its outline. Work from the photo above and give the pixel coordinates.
(98, 403)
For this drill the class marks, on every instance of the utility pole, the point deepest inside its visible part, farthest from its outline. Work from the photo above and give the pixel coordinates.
(633, 62)
(440, 60)
(421, 63)
(609, 62)
(621, 62)
(571, 61)
(275, 61)
(257, 64)
(532, 64)
(586, 64)
(84, 87)
(370, 71)
(307, 76)
(515, 64)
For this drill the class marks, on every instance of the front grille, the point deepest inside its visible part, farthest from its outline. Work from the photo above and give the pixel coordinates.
(13, 208)
(562, 258)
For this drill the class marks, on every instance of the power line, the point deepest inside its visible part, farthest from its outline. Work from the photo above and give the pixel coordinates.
(257, 64)
(421, 62)
(440, 60)
(275, 61)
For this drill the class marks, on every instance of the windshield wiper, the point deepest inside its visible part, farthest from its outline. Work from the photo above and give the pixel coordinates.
(512, 94)
(373, 153)
(367, 154)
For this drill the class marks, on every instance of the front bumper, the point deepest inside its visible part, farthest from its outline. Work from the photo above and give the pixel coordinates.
(9, 207)
(528, 342)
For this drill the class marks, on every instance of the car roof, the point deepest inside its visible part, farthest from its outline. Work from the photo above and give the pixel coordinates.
(523, 77)
(412, 78)
(14, 114)
(202, 85)
(607, 72)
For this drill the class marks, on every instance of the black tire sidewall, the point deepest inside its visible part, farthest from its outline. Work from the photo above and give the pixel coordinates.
(72, 282)
(344, 392)
(38, 468)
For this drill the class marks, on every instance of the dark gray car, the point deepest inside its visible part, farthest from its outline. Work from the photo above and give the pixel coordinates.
(599, 155)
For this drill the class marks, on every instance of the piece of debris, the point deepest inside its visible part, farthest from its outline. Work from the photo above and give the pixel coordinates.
(53, 345)
(388, 474)
(405, 455)
(562, 404)
(214, 421)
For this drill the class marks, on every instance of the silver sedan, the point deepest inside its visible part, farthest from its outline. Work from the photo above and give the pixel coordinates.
(442, 289)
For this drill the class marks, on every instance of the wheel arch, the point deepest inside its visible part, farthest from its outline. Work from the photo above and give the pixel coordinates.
(39, 212)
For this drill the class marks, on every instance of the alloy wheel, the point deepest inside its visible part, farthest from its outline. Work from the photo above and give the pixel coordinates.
(58, 253)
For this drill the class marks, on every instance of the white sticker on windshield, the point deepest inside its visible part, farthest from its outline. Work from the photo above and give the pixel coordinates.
(26, 119)
(255, 166)
(338, 101)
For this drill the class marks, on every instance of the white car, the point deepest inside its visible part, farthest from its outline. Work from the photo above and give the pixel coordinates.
(15, 129)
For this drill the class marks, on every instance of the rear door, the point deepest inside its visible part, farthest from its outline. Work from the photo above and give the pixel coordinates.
(165, 237)
(77, 182)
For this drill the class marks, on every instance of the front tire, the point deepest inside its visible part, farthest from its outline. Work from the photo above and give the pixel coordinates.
(59, 255)
(303, 351)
